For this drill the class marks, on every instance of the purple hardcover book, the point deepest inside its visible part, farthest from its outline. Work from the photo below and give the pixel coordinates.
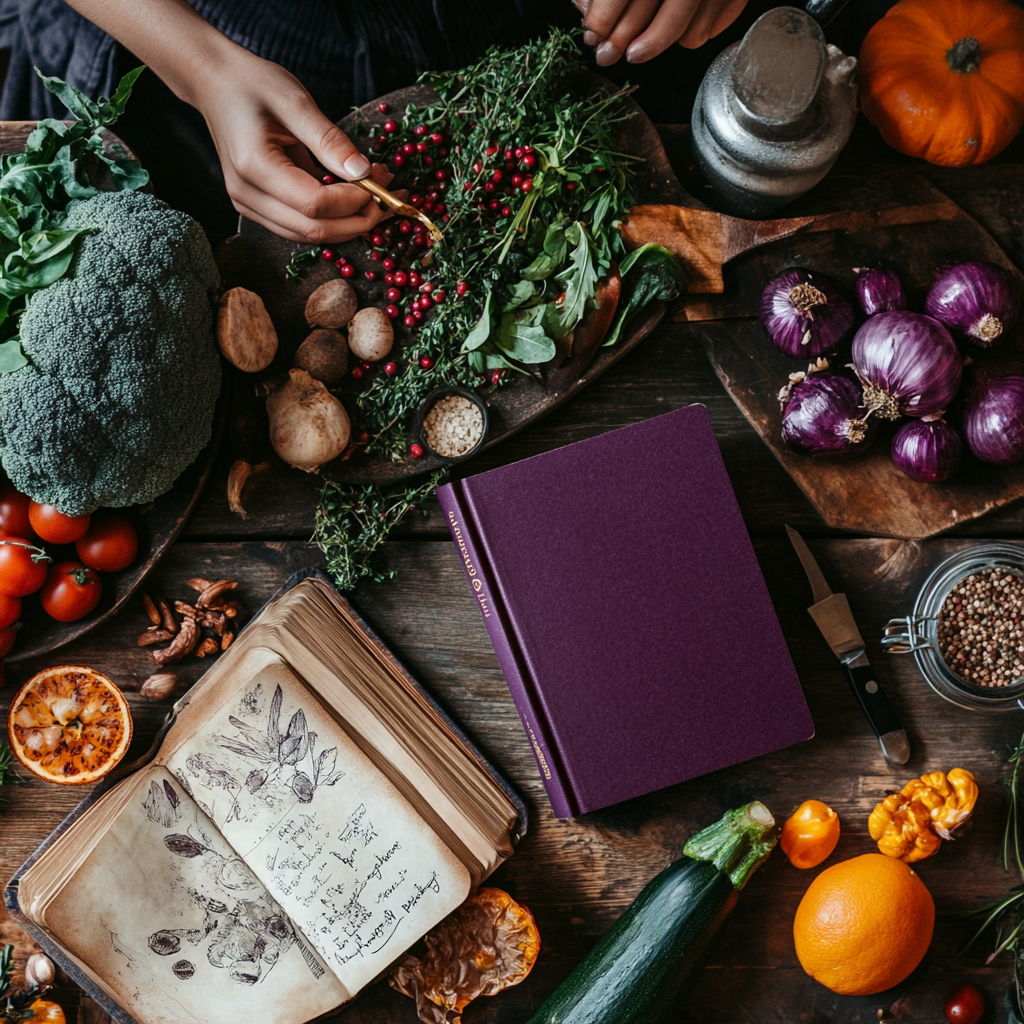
(628, 612)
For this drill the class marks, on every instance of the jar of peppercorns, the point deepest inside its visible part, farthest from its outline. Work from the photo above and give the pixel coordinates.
(966, 631)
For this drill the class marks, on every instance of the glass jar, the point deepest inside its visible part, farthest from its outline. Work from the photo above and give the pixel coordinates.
(917, 634)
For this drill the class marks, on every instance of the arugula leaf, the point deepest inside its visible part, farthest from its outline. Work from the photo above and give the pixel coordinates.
(520, 338)
(580, 279)
(482, 331)
(522, 291)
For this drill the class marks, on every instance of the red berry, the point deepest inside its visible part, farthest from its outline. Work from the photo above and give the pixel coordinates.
(414, 278)
(383, 108)
(529, 160)
(415, 305)
(418, 314)
(388, 264)
(371, 275)
(410, 320)
(391, 369)
(506, 211)
(438, 296)
(365, 364)
(496, 376)
(490, 150)
(416, 451)
(528, 184)
(527, 149)
(517, 180)
(445, 218)
(518, 153)
(509, 153)
(401, 278)
(437, 138)
(510, 165)
(570, 186)
(356, 372)
(405, 226)
(348, 270)
(394, 294)
(420, 129)
(408, 149)
(461, 288)
(467, 185)
(398, 159)
(374, 255)
(426, 362)
(363, 438)
(494, 204)
(327, 254)
(421, 147)
(477, 167)
(440, 174)
(392, 311)
(389, 279)
(496, 177)
(427, 287)
(377, 240)
(380, 144)
(966, 1005)
(489, 186)
(429, 161)
(390, 126)
(440, 208)
(328, 179)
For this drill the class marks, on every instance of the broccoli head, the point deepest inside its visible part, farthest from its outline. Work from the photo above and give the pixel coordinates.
(118, 395)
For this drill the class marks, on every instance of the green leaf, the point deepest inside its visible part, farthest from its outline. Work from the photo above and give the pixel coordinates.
(543, 266)
(522, 291)
(580, 279)
(83, 108)
(649, 274)
(524, 341)
(124, 89)
(554, 241)
(482, 331)
(11, 356)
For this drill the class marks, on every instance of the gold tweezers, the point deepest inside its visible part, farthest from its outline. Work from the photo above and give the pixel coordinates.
(396, 204)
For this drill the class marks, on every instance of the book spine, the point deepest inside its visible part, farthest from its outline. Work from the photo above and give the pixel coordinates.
(481, 581)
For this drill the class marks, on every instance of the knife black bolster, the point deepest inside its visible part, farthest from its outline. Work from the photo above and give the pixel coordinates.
(880, 713)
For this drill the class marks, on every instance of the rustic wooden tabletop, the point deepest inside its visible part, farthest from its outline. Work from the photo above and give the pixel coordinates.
(577, 876)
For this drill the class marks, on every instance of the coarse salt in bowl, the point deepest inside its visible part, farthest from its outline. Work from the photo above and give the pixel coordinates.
(452, 423)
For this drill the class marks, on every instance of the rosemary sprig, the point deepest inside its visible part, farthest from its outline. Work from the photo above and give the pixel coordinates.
(352, 523)
(1013, 823)
(8, 776)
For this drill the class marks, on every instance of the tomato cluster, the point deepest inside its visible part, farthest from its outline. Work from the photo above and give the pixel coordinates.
(69, 588)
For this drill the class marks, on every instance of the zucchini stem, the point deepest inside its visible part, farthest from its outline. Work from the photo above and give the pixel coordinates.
(738, 843)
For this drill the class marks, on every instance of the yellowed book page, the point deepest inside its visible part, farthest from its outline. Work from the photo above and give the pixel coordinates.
(179, 928)
(346, 855)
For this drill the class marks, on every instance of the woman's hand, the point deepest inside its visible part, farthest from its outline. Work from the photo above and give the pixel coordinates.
(265, 126)
(641, 29)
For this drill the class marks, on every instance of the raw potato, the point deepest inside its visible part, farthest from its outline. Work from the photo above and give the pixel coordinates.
(245, 332)
(332, 305)
(324, 355)
(370, 334)
(308, 425)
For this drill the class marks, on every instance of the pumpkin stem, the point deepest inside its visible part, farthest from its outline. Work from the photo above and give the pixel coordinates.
(964, 56)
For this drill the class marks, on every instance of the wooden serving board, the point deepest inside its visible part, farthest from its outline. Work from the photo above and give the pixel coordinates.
(158, 523)
(894, 218)
(255, 258)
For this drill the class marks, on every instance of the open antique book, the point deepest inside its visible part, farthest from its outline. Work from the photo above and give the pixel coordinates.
(307, 817)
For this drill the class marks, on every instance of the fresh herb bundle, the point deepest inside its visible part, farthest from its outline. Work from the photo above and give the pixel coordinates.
(59, 164)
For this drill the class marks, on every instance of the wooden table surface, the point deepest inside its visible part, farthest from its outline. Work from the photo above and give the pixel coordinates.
(577, 876)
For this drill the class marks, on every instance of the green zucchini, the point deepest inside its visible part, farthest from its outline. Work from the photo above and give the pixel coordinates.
(640, 970)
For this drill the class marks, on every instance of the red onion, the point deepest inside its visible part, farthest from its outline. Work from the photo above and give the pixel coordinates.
(822, 414)
(879, 291)
(994, 419)
(805, 313)
(908, 363)
(927, 449)
(979, 300)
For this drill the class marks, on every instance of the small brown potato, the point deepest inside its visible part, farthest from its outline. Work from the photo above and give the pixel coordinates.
(370, 334)
(324, 356)
(332, 305)
(245, 332)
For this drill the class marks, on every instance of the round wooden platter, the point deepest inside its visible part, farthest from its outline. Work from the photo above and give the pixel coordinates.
(158, 523)
(255, 258)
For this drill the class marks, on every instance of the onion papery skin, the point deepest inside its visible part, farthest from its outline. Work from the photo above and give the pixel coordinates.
(908, 363)
(980, 301)
(994, 420)
(805, 313)
(927, 450)
(823, 415)
(879, 290)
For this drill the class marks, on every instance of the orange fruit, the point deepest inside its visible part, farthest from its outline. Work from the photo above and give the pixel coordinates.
(863, 925)
(46, 1010)
(69, 724)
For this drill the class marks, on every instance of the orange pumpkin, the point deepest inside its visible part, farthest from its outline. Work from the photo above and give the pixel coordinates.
(944, 79)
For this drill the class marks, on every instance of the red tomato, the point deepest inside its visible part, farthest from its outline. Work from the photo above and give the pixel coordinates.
(14, 512)
(7, 638)
(55, 527)
(965, 1005)
(111, 543)
(10, 611)
(71, 591)
(22, 567)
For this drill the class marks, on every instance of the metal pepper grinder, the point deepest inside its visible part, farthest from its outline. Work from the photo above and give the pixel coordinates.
(773, 112)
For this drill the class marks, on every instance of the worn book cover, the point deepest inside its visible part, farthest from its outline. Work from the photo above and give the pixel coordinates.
(628, 611)
(306, 818)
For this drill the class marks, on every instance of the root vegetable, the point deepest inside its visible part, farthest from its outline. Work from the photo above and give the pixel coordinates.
(324, 356)
(332, 305)
(308, 425)
(370, 334)
(245, 332)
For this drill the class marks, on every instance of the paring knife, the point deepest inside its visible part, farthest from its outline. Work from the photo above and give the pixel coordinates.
(832, 614)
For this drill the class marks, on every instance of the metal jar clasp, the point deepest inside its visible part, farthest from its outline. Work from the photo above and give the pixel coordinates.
(903, 636)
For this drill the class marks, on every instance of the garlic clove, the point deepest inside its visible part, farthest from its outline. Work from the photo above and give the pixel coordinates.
(39, 972)
(159, 685)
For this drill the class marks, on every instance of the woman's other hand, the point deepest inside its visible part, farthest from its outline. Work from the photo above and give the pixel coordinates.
(641, 29)
(265, 126)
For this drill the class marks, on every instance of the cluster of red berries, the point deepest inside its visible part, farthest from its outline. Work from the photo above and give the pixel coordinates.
(495, 186)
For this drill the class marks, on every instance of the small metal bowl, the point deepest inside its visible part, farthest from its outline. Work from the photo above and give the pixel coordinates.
(429, 400)
(917, 633)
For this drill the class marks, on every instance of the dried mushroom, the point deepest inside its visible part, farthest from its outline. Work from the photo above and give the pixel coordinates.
(489, 944)
(205, 627)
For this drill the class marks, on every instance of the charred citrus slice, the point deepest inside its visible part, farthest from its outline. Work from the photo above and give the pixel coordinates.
(489, 944)
(69, 725)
